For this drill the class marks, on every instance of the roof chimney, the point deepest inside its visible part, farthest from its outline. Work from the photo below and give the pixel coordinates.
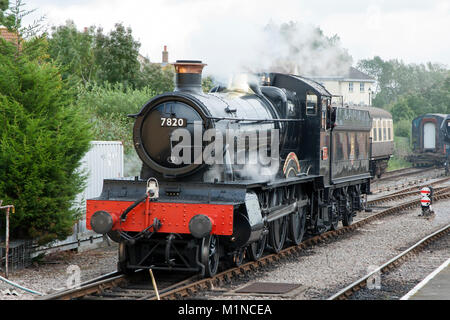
(165, 56)
(188, 75)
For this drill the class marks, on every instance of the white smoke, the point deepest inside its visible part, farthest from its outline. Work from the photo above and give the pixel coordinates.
(293, 47)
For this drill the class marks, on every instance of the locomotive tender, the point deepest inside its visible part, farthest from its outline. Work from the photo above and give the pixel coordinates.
(187, 215)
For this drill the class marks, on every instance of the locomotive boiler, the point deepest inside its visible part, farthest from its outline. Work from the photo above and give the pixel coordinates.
(229, 174)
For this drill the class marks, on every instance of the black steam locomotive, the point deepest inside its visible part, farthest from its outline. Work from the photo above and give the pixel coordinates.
(186, 213)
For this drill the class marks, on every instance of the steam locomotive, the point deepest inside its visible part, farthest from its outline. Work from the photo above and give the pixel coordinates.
(186, 212)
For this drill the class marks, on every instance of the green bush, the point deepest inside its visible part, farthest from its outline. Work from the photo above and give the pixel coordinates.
(402, 128)
(108, 107)
(43, 137)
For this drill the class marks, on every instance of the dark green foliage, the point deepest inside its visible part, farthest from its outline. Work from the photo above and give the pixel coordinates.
(207, 83)
(116, 56)
(396, 79)
(42, 140)
(408, 90)
(6, 19)
(401, 110)
(156, 77)
(108, 107)
(402, 128)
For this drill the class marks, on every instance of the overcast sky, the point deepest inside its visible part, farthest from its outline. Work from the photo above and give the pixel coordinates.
(411, 30)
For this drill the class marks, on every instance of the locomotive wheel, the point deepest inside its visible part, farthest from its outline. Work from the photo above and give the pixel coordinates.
(210, 254)
(297, 225)
(123, 259)
(277, 233)
(256, 249)
(334, 217)
(347, 219)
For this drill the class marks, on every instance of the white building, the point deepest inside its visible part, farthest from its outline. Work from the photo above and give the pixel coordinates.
(356, 87)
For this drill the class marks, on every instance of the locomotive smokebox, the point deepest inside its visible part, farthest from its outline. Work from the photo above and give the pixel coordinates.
(188, 75)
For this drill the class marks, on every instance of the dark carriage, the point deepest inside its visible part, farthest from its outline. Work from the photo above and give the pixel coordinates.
(429, 135)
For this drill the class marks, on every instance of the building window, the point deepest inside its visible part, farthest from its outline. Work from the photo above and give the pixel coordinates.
(361, 87)
(350, 87)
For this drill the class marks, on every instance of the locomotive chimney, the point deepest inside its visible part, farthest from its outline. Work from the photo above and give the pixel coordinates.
(165, 56)
(188, 75)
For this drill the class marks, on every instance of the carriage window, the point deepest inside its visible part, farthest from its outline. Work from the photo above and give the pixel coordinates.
(390, 131)
(380, 137)
(374, 134)
(311, 104)
(384, 130)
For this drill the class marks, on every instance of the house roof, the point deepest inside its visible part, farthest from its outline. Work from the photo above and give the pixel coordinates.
(352, 74)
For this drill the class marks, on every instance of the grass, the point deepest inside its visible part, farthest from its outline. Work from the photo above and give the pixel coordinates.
(398, 163)
(402, 148)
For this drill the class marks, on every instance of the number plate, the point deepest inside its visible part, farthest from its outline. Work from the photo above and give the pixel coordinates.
(173, 122)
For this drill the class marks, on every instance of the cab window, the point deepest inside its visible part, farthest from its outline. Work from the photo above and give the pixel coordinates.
(311, 104)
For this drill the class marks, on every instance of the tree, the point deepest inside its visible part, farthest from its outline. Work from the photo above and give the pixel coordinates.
(116, 56)
(207, 83)
(5, 19)
(74, 51)
(396, 79)
(401, 111)
(43, 137)
(157, 78)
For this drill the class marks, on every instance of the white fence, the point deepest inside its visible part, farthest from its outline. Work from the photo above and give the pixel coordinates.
(104, 160)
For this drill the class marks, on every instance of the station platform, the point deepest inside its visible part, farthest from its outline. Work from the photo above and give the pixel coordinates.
(436, 286)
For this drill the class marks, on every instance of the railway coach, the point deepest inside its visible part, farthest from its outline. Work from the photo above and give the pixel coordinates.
(186, 213)
(429, 136)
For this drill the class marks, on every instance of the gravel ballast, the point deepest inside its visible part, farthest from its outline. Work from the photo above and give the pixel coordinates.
(51, 275)
(328, 267)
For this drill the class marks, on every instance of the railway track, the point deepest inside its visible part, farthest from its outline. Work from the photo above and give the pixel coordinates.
(409, 192)
(404, 172)
(120, 286)
(406, 183)
(366, 280)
